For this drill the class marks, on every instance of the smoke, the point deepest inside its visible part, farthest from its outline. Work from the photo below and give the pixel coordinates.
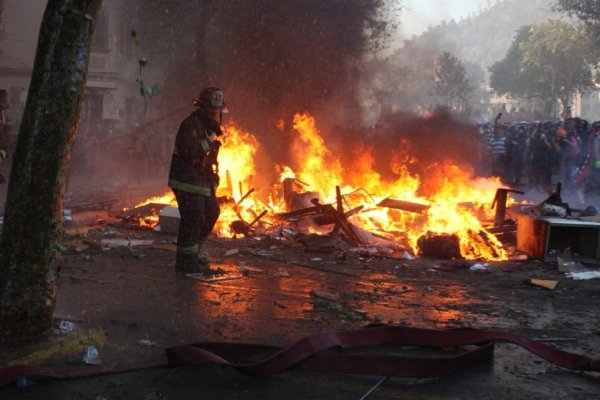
(274, 59)
(422, 146)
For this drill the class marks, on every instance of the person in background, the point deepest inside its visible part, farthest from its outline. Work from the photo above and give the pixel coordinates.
(516, 146)
(497, 148)
(540, 154)
(588, 177)
(568, 152)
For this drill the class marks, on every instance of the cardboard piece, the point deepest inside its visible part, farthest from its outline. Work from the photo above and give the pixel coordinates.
(169, 219)
(545, 283)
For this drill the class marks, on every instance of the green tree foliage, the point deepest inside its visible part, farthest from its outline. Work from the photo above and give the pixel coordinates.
(451, 83)
(586, 10)
(485, 37)
(546, 62)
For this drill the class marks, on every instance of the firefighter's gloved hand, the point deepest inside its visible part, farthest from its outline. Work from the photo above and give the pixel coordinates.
(215, 127)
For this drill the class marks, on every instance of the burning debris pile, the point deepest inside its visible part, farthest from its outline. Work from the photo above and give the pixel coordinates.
(319, 195)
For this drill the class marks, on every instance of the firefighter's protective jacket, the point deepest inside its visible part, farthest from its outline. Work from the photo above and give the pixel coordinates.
(194, 156)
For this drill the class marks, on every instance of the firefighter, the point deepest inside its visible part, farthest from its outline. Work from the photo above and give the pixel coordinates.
(194, 178)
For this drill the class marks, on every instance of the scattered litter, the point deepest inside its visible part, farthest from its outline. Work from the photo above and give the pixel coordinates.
(288, 232)
(519, 257)
(78, 246)
(262, 253)
(92, 356)
(116, 242)
(165, 246)
(279, 304)
(325, 295)
(545, 283)
(479, 267)
(282, 273)
(584, 275)
(245, 269)
(22, 383)
(147, 343)
(340, 310)
(567, 265)
(231, 252)
(316, 259)
(127, 251)
(66, 326)
(214, 278)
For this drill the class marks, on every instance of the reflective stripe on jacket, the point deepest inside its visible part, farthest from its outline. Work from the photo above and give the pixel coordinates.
(190, 169)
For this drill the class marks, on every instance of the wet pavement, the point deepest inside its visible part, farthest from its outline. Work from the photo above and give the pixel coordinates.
(282, 292)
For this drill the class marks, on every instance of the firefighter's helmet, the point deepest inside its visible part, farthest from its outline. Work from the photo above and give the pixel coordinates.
(211, 97)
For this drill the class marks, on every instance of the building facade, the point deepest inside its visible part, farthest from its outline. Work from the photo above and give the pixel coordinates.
(112, 101)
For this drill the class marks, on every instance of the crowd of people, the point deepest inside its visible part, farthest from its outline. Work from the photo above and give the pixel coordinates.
(540, 154)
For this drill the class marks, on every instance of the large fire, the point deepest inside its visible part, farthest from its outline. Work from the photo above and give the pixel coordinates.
(457, 202)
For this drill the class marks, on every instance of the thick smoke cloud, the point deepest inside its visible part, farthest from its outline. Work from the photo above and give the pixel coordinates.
(426, 146)
(273, 58)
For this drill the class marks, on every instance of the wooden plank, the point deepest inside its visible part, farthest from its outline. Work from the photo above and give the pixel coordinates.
(142, 210)
(404, 205)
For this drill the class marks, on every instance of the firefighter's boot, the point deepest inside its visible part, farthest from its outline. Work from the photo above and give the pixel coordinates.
(203, 257)
(187, 263)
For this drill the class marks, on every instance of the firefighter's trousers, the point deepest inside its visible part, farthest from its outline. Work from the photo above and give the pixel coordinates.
(198, 215)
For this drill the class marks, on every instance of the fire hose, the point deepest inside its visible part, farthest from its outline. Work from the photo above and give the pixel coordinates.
(333, 352)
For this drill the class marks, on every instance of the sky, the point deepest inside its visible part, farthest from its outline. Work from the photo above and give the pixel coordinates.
(420, 14)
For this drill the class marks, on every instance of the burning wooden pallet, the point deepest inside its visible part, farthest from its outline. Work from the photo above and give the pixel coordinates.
(326, 214)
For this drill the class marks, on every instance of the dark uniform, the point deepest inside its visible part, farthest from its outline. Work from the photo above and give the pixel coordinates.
(194, 178)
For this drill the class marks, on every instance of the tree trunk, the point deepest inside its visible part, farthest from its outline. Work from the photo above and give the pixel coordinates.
(564, 102)
(29, 255)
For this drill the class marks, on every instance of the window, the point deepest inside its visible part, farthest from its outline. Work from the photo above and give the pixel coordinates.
(100, 39)
(91, 110)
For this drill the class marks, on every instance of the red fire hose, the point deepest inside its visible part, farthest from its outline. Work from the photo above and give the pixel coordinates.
(333, 351)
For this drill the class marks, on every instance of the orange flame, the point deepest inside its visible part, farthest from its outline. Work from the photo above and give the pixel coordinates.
(455, 202)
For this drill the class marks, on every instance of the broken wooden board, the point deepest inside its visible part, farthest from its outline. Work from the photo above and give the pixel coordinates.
(545, 283)
(404, 205)
(593, 218)
(145, 210)
(214, 278)
(93, 205)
